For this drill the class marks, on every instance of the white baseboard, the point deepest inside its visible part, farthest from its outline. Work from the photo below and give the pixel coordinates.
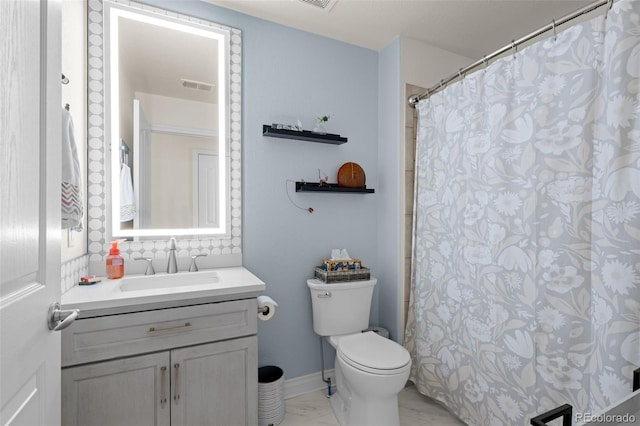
(305, 384)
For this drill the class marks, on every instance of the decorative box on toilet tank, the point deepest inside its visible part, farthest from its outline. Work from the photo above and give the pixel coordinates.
(333, 271)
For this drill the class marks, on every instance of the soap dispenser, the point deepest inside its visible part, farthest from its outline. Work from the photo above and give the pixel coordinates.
(115, 262)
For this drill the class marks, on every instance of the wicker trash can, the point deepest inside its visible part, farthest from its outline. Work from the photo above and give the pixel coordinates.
(270, 395)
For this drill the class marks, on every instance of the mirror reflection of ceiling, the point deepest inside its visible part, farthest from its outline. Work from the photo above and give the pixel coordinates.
(156, 59)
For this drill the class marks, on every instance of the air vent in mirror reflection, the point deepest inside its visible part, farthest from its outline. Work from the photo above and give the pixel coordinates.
(198, 85)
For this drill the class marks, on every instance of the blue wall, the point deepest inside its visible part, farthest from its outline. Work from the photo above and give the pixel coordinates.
(390, 213)
(290, 73)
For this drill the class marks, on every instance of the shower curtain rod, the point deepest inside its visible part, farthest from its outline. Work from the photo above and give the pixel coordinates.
(413, 100)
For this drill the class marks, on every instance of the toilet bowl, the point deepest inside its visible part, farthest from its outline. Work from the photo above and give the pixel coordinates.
(370, 371)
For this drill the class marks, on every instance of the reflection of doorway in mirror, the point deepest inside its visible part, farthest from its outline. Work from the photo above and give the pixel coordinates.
(205, 189)
(171, 173)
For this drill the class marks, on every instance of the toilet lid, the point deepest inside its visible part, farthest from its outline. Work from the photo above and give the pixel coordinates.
(370, 351)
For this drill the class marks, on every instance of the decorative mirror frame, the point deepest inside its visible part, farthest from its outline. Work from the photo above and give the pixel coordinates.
(98, 188)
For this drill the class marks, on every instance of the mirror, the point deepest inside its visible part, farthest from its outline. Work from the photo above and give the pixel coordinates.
(172, 124)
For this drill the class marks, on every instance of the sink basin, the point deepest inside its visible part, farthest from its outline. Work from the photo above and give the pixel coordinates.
(155, 282)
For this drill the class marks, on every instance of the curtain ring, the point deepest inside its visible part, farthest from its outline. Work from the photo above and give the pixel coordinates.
(460, 75)
(608, 9)
(555, 34)
(514, 46)
(484, 59)
(441, 84)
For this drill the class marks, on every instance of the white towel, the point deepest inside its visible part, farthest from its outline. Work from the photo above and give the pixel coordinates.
(71, 190)
(127, 197)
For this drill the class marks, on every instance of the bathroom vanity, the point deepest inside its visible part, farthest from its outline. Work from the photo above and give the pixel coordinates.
(177, 349)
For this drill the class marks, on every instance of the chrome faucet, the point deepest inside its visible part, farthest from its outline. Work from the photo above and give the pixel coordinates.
(149, 270)
(172, 264)
(194, 266)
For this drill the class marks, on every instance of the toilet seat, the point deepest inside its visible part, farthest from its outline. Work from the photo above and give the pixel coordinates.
(373, 354)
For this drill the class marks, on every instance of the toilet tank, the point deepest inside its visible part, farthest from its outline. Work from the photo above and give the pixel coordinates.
(340, 308)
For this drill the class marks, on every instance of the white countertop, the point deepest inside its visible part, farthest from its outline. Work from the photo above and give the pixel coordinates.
(107, 297)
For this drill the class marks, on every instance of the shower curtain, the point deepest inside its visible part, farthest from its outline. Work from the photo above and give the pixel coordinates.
(526, 260)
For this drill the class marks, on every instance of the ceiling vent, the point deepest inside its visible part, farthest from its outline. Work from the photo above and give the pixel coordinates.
(325, 5)
(198, 85)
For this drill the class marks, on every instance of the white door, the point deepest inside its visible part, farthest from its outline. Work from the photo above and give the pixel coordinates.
(141, 166)
(205, 199)
(30, 231)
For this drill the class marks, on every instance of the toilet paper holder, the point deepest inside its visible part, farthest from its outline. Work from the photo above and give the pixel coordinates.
(266, 307)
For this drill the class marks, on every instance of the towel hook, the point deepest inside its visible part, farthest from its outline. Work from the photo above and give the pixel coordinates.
(555, 34)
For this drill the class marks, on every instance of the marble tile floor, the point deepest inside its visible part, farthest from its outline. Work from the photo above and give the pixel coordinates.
(313, 409)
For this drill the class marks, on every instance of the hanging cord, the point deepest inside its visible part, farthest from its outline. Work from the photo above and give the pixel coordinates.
(327, 381)
(286, 189)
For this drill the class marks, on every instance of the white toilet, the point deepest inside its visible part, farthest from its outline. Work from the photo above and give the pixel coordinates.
(370, 370)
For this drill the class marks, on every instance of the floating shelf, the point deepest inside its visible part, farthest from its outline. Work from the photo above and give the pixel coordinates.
(330, 187)
(304, 135)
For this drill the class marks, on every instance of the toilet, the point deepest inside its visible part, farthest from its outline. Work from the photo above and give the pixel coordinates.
(369, 369)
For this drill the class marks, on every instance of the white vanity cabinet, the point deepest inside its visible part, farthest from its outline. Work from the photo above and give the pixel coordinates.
(191, 365)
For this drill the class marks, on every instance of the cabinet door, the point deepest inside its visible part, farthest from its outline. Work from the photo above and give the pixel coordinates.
(215, 384)
(130, 391)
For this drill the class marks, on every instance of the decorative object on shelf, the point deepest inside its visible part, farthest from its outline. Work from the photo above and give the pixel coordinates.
(321, 123)
(303, 135)
(351, 175)
(323, 180)
(292, 127)
(330, 187)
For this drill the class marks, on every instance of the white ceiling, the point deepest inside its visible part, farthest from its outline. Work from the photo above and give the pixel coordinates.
(469, 28)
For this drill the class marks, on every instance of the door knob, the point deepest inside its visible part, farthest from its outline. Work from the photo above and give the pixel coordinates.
(59, 319)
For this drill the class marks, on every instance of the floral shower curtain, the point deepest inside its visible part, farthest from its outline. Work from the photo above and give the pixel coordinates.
(526, 260)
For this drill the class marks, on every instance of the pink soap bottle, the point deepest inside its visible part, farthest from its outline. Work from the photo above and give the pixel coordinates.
(115, 262)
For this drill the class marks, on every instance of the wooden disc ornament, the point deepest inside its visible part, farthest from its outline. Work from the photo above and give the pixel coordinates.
(351, 175)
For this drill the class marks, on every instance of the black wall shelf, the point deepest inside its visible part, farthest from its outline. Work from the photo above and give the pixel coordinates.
(304, 135)
(330, 187)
